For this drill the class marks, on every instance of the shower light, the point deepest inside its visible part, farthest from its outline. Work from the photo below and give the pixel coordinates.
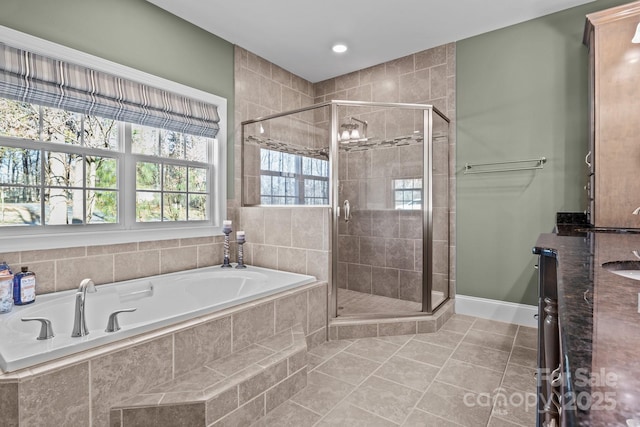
(636, 36)
(339, 48)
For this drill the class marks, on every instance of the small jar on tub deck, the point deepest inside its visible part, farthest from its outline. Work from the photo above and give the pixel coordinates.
(6, 288)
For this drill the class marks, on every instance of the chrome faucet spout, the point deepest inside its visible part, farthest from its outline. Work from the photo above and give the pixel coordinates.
(79, 322)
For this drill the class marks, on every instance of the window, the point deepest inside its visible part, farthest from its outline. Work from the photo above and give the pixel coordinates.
(57, 167)
(68, 161)
(290, 179)
(176, 187)
(408, 193)
(63, 168)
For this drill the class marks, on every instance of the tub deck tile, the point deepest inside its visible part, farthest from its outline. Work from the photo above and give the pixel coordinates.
(269, 371)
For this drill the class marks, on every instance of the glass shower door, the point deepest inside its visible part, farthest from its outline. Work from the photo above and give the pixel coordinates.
(381, 200)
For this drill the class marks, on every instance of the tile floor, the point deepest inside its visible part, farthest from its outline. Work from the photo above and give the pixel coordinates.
(473, 372)
(358, 303)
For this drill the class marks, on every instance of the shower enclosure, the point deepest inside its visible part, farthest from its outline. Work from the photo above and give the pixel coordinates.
(383, 170)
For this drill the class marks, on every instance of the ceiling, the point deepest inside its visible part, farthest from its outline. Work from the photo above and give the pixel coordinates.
(298, 35)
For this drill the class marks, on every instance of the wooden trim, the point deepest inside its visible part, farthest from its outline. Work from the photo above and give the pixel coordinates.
(614, 13)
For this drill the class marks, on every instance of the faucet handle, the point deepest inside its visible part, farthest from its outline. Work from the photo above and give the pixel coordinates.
(46, 328)
(112, 323)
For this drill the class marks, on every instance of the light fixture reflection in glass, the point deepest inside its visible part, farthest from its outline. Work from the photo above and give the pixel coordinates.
(349, 131)
(636, 36)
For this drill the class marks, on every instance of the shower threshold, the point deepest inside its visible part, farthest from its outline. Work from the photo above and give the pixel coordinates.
(359, 304)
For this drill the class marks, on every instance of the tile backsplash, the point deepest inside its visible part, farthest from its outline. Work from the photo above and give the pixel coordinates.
(63, 269)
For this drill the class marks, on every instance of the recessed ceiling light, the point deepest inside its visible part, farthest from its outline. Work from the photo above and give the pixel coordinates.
(339, 48)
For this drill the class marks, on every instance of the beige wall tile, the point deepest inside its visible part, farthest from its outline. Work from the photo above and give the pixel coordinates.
(259, 65)
(252, 222)
(359, 278)
(11, 258)
(265, 256)
(196, 346)
(246, 415)
(439, 82)
(277, 224)
(286, 389)
(410, 286)
(317, 308)
(431, 57)
(178, 259)
(372, 74)
(172, 415)
(192, 241)
(70, 272)
(270, 94)
(400, 253)
(396, 328)
(282, 76)
(158, 244)
(318, 264)
(385, 282)
(9, 404)
(399, 66)
(111, 249)
(222, 404)
(136, 264)
(415, 87)
(387, 90)
(52, 254)
(347, 81)
(58, 398)
(253, 324)
(307, 228)
(292, 259)
(122, 374)
(346, 332)
(45, 276)
(259, 383)
(290, 311)
(209, 255)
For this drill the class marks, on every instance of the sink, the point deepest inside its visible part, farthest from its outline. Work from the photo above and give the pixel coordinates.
(628, 269)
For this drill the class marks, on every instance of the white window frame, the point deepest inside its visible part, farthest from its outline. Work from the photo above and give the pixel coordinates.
(71, 236)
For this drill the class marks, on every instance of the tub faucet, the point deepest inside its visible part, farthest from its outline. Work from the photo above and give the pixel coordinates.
(79, 324)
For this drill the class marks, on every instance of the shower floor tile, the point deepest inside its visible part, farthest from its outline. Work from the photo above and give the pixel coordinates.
(353, 302)
(417, 380)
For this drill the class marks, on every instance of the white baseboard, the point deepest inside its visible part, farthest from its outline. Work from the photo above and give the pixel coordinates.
(520, 314)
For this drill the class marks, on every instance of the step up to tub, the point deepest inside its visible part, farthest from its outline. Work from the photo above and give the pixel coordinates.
(235, 390)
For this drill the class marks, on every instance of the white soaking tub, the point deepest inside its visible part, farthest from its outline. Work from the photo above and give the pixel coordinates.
(159, 301)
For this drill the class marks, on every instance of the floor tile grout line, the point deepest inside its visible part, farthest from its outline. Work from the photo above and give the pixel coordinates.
(415, 406)
(362, 382)
(501, 386)
(415, 337)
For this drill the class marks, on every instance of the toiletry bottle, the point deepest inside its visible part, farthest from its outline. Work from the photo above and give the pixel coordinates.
(6, 288)
(24, 287)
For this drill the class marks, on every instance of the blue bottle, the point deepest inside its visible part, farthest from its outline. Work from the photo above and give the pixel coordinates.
(24, 287)
(6, 288)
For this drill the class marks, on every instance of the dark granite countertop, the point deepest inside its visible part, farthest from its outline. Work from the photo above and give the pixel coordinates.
(599, 325)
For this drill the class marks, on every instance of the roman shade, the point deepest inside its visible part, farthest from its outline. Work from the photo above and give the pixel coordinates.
(37, 79)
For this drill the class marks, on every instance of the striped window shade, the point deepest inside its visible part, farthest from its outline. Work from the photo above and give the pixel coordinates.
(33, 78)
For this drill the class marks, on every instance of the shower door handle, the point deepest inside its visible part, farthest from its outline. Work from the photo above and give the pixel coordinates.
(347, 210)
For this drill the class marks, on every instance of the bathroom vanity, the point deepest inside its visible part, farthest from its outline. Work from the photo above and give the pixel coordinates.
(590, 334)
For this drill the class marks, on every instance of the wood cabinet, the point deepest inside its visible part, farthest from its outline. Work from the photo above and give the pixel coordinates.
(614, 62)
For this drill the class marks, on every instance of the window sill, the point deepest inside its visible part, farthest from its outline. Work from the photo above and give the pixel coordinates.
(68, 240)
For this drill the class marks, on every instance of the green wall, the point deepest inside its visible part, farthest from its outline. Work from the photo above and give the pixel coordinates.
(521, 94)
(137, 34)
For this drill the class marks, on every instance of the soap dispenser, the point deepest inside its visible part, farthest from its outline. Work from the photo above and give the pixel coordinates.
(24, 287)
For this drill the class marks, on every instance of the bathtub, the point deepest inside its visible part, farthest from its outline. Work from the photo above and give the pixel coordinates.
(159, 301)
